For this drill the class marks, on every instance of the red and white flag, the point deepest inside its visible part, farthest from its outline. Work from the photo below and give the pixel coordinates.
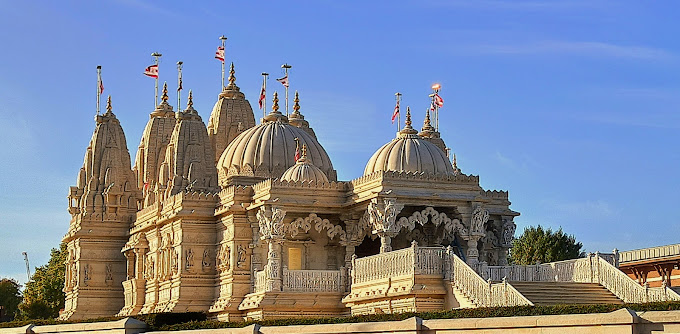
(151, 71)
(101, 86)
(283, 81)
(262, 95)
(219, 54)
(396, 112)
(438, 100)
(297, 153)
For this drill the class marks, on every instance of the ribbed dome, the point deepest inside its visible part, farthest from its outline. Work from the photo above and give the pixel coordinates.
(409, 153)
(304, 171)
(268, 150)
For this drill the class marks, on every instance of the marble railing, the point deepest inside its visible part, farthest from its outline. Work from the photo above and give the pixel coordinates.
(407, 261)
(313, 280)
(649, 253)
(480, 292)
(592, 269)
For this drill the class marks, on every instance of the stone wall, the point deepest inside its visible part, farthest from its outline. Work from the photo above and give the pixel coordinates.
(621, 321)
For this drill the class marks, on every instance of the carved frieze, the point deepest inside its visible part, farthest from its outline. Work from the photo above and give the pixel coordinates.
(508, 232)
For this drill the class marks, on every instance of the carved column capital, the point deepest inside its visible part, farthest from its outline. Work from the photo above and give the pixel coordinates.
(383, 215)
(270, 220)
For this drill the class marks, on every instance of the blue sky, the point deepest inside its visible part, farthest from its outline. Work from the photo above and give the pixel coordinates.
(572, 106)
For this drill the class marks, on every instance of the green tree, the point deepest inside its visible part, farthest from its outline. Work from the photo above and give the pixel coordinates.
(10, 297)
(537, 244)
(43, 296)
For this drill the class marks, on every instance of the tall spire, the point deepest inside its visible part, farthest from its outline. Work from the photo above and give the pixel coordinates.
(165, 92)
(296, 116)
(190, 102)
(275, 106)
(108, 106)
(427, 129)
(232, 76)
(408, 130)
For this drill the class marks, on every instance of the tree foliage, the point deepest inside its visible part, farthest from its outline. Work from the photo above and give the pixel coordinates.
(10, 297)
(537, 244)
(44, 296)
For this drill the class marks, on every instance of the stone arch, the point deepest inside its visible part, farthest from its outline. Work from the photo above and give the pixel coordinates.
(319, 224)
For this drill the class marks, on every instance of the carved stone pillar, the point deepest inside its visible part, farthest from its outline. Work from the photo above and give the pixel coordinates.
(507, 236)
(273, 267)
(270, 220)
(140, 257)
(476, 222)
(383, 218)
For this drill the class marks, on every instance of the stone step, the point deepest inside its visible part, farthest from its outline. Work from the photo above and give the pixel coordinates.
(553, 293)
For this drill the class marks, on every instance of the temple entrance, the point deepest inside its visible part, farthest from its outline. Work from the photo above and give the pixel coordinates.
(368, 247)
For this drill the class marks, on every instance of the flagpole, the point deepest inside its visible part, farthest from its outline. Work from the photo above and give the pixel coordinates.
(435, 90)
(99, 84)
(264, 101)
(398, 95)
(286, 67)
(179, 84)
(156, 55)
(224, 42)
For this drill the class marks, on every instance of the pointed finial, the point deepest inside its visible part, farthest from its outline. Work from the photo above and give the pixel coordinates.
(455, 163)
(190, 102)
(275, 106)
(165, 92)
(426, 123)
(296, 106)
(232, 76)
(407, 123)
(303, 157)
(108, 105)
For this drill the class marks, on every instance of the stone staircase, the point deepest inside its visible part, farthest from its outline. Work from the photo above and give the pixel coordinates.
(553, 293)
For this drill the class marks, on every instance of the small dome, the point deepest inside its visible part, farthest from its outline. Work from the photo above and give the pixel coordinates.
(268, 149)
(409, 153)
(304, 171)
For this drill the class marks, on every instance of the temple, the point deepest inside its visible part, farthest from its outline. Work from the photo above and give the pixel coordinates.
(248, 221)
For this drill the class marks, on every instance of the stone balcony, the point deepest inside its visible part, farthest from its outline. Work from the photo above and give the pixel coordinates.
(406, 280)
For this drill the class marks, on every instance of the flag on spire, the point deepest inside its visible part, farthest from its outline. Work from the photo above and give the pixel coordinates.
(262, 95)
(151, 71)
(284, 80)
(396, 112)
(219, 54)
(179, 83)
(438, 100)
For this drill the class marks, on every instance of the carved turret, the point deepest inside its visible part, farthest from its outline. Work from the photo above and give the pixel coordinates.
(231, 108)
(151, 150)
(103, 205)
(189, 160)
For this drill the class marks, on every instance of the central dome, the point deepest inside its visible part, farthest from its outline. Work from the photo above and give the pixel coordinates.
(410, 153)
(268, 150)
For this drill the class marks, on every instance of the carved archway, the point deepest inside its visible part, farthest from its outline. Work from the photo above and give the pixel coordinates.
(429, 228)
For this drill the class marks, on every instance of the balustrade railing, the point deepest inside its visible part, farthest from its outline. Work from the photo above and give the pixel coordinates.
(649, 253)
(313, 280)
(481, 292)
(381, 266)
(592, 269)
(407, 261)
